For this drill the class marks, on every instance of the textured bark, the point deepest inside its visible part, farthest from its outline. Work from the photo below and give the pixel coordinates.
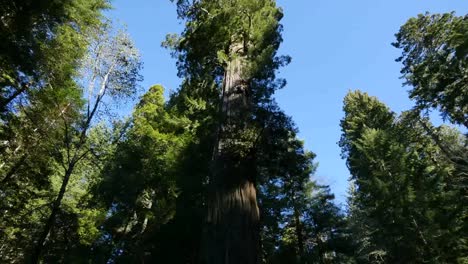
(231, 234)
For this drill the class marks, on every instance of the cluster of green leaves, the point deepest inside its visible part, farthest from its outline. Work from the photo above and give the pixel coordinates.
(403, 185)
(408, 195)
(435, 57)
(53, 145)
(42, 41)
(405, 206)
(139, 187)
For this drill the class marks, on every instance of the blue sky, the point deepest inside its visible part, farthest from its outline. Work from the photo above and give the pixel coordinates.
(336, 46)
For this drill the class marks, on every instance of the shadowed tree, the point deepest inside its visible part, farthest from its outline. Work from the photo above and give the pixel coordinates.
(41, 39)
(231, 45)
(110, 70)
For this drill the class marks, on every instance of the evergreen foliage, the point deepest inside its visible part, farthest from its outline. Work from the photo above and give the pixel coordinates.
(216, 173)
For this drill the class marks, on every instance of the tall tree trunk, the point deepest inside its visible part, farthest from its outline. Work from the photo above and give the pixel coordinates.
(35, 257)
(231, 234)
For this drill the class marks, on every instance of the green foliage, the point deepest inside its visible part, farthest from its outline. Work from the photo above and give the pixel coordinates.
(219, 34)
(32, 144)
(54, 150)
(212, 27)
(434, 56)
(78, 185)
(139, 187)
(43, 41)
(300, 222)
(403, 196)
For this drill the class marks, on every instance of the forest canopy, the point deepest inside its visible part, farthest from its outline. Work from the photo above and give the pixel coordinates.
(215, 172)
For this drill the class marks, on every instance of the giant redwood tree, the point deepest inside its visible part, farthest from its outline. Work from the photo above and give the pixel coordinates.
(231, 46)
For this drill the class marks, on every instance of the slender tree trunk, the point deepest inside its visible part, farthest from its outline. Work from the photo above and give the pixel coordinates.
(71, 165)
(50, 221)
(300, 238)
(231, 234)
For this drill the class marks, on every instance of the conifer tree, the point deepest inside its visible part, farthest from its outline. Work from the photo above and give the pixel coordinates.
(231, 45)
(434, 57)
(403, 207)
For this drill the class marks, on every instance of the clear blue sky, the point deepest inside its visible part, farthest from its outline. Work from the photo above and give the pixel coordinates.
(336, 46)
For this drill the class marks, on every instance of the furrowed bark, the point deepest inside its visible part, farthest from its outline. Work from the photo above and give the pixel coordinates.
(231, 234)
